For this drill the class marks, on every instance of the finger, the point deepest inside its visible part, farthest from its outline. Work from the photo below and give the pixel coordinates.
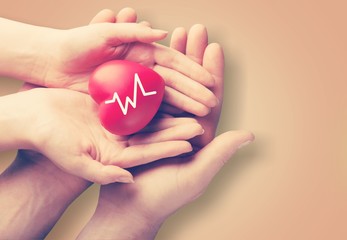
(94, 171)
(179, 40)
(197, 43)
(142, 154)
(208, 161)
(126, 15)
(213, 61)
(173, 59)
(116, 34)
(105, 15)
(187, 86)
(185, 103)
(145, 23)
(164, 123)
(174, 133)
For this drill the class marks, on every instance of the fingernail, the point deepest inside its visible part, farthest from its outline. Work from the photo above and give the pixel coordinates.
(125, 180)
(244, 144)
(202, 131)
(216, 102)
(211, 82)
(160, 32)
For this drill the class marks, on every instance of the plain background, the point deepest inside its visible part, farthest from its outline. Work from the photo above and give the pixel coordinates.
(285, 81)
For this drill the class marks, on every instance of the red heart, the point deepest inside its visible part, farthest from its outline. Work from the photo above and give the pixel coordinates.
(128, 95)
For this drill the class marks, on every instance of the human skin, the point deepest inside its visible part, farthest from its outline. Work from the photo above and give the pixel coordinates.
(95, 142)
(138, 210)
(27, 54)
(35, 172)
(63, 125)
(34, 192)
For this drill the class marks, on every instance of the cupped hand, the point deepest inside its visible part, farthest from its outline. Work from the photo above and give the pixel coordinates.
(49, 189)
(80, 50)
(164, 186)
(67, 130)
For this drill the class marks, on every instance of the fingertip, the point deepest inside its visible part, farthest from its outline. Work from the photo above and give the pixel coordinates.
(127, 14)
(106, 174)
(214, 52)
(105, 15)
(198, 28)
(216, 48)
(202, 110)
(187, 147)
(211, 100)
(179, 39)
(145, 23)
(197, 128)
(129, 11)
(160, 33)
(179, 31)
(112, 174)
(240, 138)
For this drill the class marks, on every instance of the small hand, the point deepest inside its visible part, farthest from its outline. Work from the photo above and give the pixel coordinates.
(72, 62)
(67, 130)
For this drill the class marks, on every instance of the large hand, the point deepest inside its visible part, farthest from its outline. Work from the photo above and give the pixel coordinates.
(137, 210)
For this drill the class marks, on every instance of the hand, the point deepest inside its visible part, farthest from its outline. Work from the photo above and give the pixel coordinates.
(84, 147)
(67, 130)
(36, 192)
(160, 188)
(72, 62)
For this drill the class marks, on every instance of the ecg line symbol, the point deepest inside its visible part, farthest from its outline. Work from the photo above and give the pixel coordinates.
(128, 100)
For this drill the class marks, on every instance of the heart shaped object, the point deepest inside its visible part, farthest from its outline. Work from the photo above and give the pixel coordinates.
(128, 94)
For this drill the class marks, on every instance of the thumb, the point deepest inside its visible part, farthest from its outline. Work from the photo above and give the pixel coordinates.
(94, 171)
(209, 160)
(119, 33)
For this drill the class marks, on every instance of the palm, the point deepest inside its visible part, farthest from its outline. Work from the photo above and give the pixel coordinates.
(83, 141)
(160, 185)
(170, 183)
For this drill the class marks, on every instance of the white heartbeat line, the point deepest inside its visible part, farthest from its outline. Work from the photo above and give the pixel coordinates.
(128, 100)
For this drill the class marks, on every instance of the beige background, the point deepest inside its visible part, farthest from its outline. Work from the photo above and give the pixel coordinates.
(285, 80)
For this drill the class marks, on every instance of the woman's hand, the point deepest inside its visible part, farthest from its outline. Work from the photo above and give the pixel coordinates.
(64, 126)
(66, 58)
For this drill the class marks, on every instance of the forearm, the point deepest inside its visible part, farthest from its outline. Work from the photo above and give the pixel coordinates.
(34, 193)
(124, 224)
(24, 50)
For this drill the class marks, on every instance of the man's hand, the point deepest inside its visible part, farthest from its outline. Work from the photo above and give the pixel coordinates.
(136, 211)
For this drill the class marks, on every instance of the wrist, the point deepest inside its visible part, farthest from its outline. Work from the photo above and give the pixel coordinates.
(16, 118)
(25, 51)
(34, 192)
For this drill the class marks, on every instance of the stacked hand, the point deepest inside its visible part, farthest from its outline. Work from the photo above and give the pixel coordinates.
(88, 151)
(164, 186)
